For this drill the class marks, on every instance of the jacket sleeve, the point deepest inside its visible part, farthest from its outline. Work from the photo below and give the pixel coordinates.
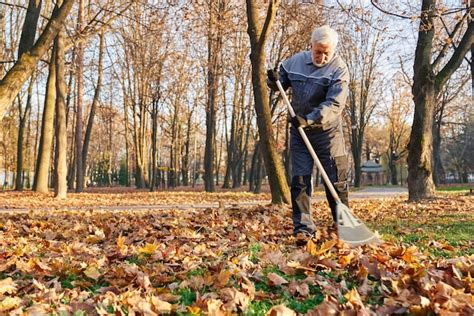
(285, 82)
(328, 113)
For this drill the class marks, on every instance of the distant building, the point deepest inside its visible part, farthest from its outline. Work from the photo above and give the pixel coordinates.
(372, 173)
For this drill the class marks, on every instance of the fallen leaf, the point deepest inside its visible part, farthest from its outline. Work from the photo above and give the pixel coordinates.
(92, 272)
(160, 306)
(194, 310)
(280, 310)
(9, 303)
(275, 280)
(7, 286)
(148, 249)
(222, 278)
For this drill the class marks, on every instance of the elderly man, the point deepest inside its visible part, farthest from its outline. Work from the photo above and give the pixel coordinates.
(319, 80)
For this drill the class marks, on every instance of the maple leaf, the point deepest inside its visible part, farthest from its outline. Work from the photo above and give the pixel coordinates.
(148, 249)
(222, 278)
(160, 306)
(194, 310)
(122, 248)
(214, 307)
(328, 307)
(298, 287)
(409, 254)
(248, 287)
(7, 286)
(353, 297)
(92, 272)
(275, 280)
(234, 299)
(9, 303)
(280, 310)
(326, 246)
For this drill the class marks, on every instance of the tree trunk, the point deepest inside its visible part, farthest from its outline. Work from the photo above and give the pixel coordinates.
(21, 130)
(154, 137)
(392, 164)
(426, 87)
(187, 149)
(126, 136)
(258, 173)
(357, 156)
(420, 181)
(28, 32)
(80, 89)
(11, 84)
(60, 163)
(253, 167)
(273, 165)
(95, 102)
(40, 183)
(439, 176)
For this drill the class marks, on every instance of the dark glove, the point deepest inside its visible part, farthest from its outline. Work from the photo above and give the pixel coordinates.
(273, 75)
(298, 121)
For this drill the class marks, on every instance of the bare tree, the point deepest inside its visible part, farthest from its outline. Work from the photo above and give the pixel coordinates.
(12, 82)
(258, 35)
(429, 78)
(362, 48)
(95, 102)
(60, 162)
(396, 115)
(40, 183)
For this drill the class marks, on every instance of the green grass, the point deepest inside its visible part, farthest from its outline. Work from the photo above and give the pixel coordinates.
(456, 231)
(258, 308)
(254, 249)
(66, 282)
(455, 188)
(188, 297)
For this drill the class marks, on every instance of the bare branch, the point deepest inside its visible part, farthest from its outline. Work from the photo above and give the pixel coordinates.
(450, 41)
(457, 57)
(389, 13)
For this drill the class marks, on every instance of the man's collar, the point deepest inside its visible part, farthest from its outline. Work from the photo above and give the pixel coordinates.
(308, 58)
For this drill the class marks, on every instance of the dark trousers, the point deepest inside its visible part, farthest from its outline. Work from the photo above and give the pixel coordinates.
(301, 184)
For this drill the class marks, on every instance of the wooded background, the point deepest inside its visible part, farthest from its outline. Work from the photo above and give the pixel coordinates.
(163, 94)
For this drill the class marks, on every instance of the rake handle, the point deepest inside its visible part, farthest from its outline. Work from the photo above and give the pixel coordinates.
(309, 146)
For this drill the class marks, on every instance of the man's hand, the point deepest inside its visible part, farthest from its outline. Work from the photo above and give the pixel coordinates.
(273, 75)
(298, 121)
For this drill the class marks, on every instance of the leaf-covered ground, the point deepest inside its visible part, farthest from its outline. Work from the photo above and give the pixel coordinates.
(32, 200)
(234, 261)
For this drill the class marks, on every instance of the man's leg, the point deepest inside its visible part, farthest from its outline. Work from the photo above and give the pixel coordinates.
(301, 185)
(337, 172)
(301, 192)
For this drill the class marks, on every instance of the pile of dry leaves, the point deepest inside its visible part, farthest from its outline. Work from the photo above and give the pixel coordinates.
(220, 262)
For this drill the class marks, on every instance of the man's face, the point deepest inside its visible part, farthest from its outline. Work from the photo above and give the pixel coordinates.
(321, 53)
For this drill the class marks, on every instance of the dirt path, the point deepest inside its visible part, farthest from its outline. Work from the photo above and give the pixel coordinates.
(366, 193)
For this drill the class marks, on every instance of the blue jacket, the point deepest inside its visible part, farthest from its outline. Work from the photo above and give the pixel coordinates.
(319, 93)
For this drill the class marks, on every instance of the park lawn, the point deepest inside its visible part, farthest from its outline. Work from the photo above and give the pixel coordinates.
(237, 260)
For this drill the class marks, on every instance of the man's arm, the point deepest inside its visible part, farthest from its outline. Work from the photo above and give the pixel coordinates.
(330, 110)
(281, 75)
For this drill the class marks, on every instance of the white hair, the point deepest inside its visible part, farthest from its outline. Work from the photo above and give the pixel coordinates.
(325, 35)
